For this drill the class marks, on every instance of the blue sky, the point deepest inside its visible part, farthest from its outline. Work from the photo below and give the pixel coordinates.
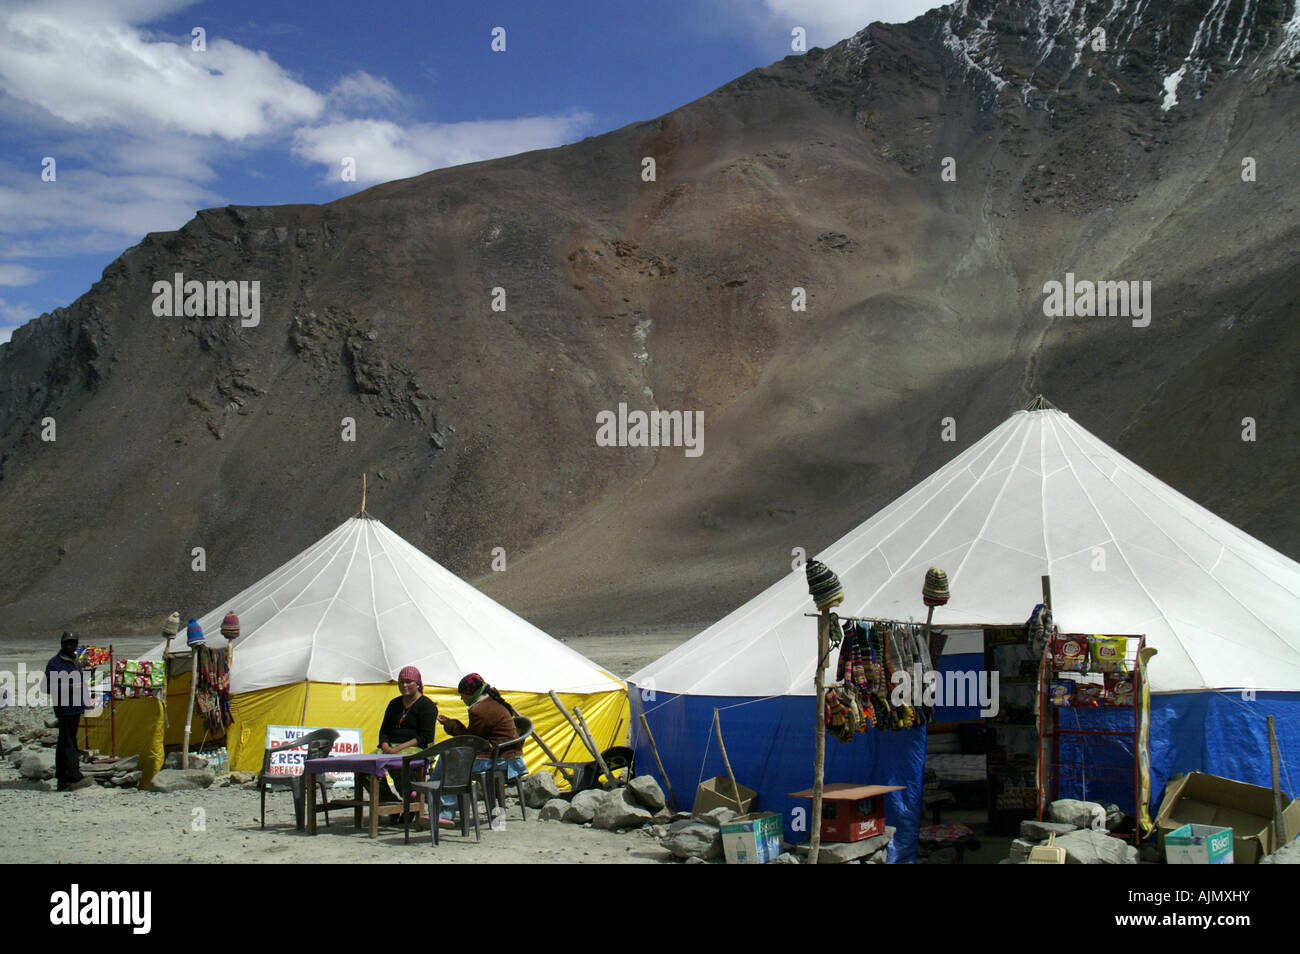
(144, 129)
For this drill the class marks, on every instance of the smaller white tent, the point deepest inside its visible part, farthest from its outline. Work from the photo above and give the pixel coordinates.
(324, 636)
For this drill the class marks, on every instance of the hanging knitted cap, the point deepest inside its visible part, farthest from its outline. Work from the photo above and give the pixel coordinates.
(413, 674)
(824, 585)
(173, 624)
(935, 591)
(194, 633)
(230, 625)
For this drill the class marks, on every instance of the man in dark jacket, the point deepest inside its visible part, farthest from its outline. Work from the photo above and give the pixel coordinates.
(63, 682)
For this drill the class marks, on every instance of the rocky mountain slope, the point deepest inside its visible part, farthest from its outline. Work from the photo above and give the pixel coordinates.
(920, 182)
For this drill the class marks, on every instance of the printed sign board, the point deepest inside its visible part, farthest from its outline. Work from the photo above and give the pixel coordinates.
(290, 762)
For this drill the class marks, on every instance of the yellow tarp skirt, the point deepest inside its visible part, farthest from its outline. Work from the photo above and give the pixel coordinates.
(138, 726)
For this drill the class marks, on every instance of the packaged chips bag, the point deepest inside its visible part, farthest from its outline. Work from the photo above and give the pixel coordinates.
(1088, 694)
(1107, 653)
(1119, 689)
(1069, 654)
(1061, 692)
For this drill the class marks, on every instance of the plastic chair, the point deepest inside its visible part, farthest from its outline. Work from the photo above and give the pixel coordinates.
(494, 779)
(456, 756)
(318, 745)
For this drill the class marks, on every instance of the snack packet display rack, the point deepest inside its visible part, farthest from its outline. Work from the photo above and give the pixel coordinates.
(1090, 742)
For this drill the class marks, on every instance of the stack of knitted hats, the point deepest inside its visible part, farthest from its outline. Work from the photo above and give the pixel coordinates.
(935, 591)
(230, 625)
(824, 585)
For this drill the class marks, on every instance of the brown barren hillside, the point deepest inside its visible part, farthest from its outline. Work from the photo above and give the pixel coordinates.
(827, 172)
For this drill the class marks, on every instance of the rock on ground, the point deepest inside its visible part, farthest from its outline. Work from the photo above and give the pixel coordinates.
(1020, 849)
(692, 839)
(8, 743)
(539, 789)
(615, 813)
(718, 816)
(1037, 831)
(582, 807)
(648, 793)
(37, 765)
(1087, 847)
(173, 761)
(182, 780)
(1076, 813)
(553, 810)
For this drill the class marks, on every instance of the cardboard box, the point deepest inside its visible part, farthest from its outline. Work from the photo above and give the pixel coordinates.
(1201, 799)
(718, 793)
(1199, 845)
(752, 839)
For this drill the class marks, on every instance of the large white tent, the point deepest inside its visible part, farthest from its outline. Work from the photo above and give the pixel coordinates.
(1038, 495)
(324, 636)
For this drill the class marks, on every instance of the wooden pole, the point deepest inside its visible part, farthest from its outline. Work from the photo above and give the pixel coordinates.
(1047, 591)
(659, 762)
(929, 618)
(819, 758)
(167, 680)
(591, 744)
(545, 748)
(189, 711)
(1279, 824)
(363, 493)
(735, 789)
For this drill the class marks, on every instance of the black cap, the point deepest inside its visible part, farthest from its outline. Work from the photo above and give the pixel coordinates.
(68, 638)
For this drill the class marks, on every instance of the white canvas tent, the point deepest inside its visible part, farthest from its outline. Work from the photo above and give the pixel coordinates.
(324, 636)
(1038, 495)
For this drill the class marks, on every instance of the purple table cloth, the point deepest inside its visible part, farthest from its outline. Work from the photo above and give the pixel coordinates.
(374, 764)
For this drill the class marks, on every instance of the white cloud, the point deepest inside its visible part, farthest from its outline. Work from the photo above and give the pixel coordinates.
(94, 71)
(360, 89)
(384, 150)
(91, 211)
(11, 274)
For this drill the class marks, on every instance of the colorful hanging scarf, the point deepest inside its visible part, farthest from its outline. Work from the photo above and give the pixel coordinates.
(212, 696)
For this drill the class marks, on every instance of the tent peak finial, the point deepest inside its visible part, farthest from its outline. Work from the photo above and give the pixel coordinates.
(1040, 403)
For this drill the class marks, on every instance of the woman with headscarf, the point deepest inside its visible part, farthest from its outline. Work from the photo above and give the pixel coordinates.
(409, 721)
(490, 718)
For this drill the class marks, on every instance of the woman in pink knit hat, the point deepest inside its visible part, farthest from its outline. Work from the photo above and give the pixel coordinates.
(409, 721)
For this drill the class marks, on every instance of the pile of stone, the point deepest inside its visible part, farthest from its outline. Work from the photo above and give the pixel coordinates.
(1072, 821)
(31, 750)
(634, 805)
